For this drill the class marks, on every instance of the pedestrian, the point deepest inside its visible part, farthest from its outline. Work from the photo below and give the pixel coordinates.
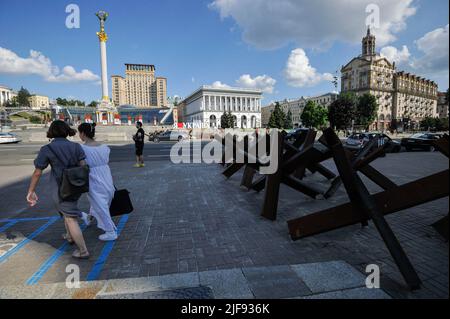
(61, 154)
(139, 145)
(101, 185)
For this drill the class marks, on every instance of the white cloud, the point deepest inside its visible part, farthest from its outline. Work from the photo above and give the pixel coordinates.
(262, 82)
(394, 55)
(435, 47)
(312, 24)
(39, 64)
(300, 73)
(220, 85)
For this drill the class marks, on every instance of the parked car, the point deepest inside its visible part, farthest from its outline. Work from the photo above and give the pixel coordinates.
(293, 134)
(420, 141)
(170, 135)
(9, 138)
(357, 141)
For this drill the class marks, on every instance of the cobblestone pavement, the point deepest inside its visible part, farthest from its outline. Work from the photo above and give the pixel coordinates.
(189, 219)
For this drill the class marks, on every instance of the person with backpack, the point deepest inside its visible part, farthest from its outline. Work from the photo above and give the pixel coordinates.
(65, 158)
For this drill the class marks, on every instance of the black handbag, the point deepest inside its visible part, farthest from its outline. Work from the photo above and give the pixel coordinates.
(74, 181)
(121, 203)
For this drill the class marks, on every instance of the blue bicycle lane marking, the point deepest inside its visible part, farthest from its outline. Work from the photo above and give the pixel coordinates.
(19, 220)
(8, 225)
(29, 238)
(101, 260)
(46, 265)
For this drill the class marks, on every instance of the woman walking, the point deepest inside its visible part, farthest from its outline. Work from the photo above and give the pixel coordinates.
(61, 154)
(101, 186)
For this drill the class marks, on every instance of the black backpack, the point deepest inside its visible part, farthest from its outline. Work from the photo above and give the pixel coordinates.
(74, 181)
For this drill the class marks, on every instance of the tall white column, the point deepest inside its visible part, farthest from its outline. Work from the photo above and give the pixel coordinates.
(105, 93)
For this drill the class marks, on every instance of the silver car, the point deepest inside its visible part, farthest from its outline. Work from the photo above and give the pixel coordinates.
(9, 138)
(171, 135)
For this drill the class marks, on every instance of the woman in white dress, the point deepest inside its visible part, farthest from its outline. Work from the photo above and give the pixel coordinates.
(101, 186)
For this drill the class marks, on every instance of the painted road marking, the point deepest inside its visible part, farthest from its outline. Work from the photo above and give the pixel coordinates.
(98, 266)
(18, 220)
(28, 239)
(34, 279)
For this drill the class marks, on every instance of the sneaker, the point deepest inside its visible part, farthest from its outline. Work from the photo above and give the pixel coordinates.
(108, 236)
(137, 165)
(142, 165)
(86, 218)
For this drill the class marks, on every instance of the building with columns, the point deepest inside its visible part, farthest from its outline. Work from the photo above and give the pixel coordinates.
(401, 96)
(139, 87)
(206, 106)
(6, 94)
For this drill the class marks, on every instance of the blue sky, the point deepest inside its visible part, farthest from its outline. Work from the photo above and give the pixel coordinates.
(196, 42)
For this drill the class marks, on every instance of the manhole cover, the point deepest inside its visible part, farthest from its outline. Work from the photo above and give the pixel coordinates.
(182, 293)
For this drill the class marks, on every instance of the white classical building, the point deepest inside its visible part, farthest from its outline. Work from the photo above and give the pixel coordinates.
(207, 105)
(6, 94)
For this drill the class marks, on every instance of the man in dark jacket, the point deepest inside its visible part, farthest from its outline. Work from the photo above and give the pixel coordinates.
(139, 145)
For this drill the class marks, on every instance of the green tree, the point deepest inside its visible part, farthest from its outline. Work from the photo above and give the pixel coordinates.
(314, 115)
(288, 124)
(65, 102)
(23, 97)
(428, 124)
(442, 124)
(343, 111)
(11, 103)
(93, 104)
(277, 118)
(227, 120)
(367, 110)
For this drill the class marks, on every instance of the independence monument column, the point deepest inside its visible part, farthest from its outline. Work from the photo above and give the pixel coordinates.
(105, 112)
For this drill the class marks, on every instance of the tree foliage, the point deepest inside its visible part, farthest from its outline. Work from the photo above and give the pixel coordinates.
(434, 124)
(23, 97)
(314, 115)
(11, 103)
(367, 110)
(227, 120)
(288, 124)
(65, 102)
(343, 111)
(277, 118)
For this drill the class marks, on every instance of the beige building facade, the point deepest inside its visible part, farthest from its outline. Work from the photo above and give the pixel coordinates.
(39, 102)
(400, 95)
(296, 106)
(140, 87)
(442, 106)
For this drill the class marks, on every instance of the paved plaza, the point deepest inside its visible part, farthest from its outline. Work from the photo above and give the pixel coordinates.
(194, 234)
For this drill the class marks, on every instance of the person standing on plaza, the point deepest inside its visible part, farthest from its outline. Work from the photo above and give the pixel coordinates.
(101, 186)
(139, 145)
(61, 154)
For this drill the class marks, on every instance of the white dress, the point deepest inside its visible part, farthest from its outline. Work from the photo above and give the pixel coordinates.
(101, 185)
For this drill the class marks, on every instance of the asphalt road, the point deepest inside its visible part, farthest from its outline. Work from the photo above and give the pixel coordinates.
(24, 154)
